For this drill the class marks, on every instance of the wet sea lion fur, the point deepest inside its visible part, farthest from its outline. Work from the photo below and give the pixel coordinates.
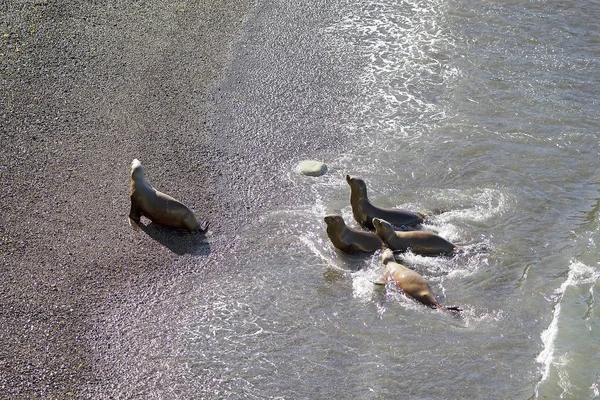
(350, 240)
(364, 211)
(420, 242)
(410, 283)
(157, 206)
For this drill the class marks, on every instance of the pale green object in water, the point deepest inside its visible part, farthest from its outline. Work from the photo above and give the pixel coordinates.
(312, 168)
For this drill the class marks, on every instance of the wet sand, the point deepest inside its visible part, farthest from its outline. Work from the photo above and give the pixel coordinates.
(87, 87)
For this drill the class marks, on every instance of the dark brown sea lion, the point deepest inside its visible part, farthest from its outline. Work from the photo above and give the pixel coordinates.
(159, 207)
(364, 211)
(348, 239)
(410, 282)
(420, 242)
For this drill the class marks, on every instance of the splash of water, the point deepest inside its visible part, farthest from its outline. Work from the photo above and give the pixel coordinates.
(579, 274)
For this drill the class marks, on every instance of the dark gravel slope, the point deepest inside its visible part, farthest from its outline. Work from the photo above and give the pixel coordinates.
(86, 87)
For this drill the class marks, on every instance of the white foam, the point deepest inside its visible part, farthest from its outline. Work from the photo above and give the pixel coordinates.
(482, 204)
(476, 316)
(362, 281)
(579, 274)
(447, 231)
(316, 248)
(400, 43)
(595, 389)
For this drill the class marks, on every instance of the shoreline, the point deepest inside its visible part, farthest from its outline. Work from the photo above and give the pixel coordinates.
(89, 88)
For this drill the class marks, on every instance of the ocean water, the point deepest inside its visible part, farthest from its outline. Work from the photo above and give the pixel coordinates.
(486, 110)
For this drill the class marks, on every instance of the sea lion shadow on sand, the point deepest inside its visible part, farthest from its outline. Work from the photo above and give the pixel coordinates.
(178, 241)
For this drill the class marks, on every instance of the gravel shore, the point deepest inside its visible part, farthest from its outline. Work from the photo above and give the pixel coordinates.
(87, 87)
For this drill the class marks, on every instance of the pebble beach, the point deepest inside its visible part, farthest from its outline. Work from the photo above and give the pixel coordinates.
(88, 87)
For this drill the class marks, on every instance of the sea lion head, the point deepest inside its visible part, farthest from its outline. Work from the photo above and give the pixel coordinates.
(334, 220)
(137, 169)
(382, 227)
(387, 256)
(357, 185)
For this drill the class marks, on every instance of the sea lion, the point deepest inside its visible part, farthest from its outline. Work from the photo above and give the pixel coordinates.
(410, 283)
(348, 239)
(364, 211)
(159, 207)
(420, 242)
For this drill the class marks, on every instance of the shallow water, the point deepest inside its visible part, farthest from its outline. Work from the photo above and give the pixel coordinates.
(488, 111)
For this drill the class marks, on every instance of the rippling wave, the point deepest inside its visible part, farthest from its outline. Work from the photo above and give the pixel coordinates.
(581, 278)
(405, 48)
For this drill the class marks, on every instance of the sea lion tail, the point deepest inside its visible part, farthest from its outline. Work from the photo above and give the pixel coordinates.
(453, 310)
(204, 226)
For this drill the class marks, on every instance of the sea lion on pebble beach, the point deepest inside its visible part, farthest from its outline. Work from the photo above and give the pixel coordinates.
(420, 242)
(410, 283)
(348, 239)
(159, 207)
(364, 211)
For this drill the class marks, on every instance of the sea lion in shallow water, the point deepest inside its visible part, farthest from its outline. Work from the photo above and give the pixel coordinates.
(410, 282)
(420, 242)
(159, 207)
(348, 239)
(364, 211)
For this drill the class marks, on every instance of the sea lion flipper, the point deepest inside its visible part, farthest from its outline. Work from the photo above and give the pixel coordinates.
(134, 224)
(382, 281)
(379, 285)
(135, 213)
(453, 308)
(204, 226)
